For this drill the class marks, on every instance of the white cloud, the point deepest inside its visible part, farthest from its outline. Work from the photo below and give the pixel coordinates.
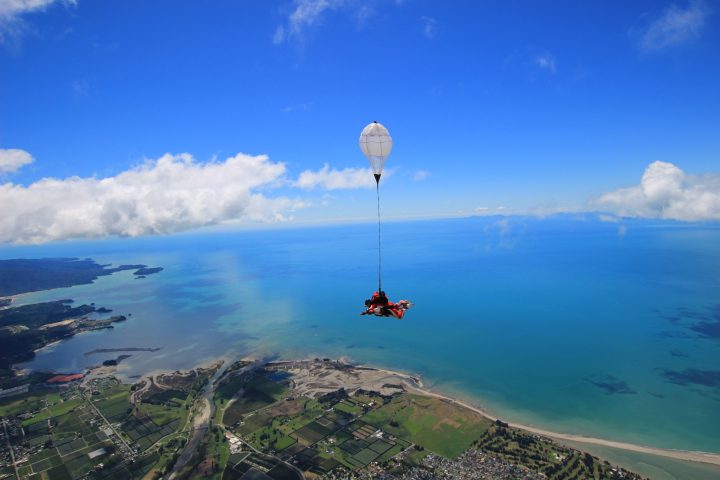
(331, 179)
(503, 226)
(429, 27)
(604, 217)
(12, 159)
(675, 26)
(295, 108)
(167, 195)
(546, 61)
(531, 62)
(505, 233)
(421, 175)
(499, 210)
(306, 13)
(80, 88)
(11, 12)
(665, 191)
(279, 35)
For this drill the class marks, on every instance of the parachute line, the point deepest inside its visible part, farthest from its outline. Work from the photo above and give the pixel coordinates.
(379, 238)
(376, 144)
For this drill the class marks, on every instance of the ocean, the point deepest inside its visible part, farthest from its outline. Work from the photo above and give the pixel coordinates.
(605, 328)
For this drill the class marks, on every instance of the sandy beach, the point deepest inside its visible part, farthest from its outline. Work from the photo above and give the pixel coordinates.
(314, 378)
(703, 457)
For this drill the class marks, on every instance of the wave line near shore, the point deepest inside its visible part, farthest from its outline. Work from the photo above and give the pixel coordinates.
(415, 385)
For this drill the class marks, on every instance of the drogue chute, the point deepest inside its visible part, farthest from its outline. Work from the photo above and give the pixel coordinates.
(376, 144)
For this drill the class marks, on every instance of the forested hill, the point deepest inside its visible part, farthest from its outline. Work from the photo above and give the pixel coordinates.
(30, 275)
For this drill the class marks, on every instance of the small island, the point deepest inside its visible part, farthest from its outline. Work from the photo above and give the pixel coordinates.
(114, 362)
(144, 272)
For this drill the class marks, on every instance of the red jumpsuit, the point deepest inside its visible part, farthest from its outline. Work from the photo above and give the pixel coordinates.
(380, 306)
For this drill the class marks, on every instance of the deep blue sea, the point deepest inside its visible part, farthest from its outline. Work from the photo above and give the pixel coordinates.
(608, 329)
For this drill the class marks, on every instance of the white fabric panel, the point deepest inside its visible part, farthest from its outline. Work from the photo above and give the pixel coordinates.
(376, 144)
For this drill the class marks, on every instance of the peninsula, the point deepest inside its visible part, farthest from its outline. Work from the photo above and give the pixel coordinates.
(31, 275)
(27, 328)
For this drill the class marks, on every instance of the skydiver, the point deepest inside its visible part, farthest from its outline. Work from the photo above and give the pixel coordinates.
(380, 306)
(378, 298)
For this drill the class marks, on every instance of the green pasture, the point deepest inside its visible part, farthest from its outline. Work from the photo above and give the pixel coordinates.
(438, 425)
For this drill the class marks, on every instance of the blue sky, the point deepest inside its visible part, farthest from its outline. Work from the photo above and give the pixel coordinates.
(527, 106)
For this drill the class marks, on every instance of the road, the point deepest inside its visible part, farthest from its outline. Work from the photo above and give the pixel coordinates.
(117, 434)
(12, 454)
(299, 472)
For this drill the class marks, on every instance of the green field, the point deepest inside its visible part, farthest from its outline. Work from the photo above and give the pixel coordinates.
(312, 432)
(114, 403)
(25, 403)
(145, 432)
(170, 397)
(229, 386)
(70, 439)
(72, 429)
(163, 414)
(438, 425)
(311, 409)
(270, 437)
(56, 410)
(257, 393)
(69, 424)
(319, 438)
(349, 407)
(219, 451)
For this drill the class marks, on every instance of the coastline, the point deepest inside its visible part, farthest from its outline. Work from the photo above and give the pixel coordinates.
(415, 385)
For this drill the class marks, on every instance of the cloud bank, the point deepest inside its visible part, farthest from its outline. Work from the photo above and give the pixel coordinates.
(331, 179)
(674, 27)
(171, 194)
(12, 159)
(665, 191)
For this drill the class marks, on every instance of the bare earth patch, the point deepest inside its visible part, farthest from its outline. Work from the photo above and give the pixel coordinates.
(316, 378)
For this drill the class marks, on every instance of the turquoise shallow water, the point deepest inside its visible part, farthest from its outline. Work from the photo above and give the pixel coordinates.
(571, 324)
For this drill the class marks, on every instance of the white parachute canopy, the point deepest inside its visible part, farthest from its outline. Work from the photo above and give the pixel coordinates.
(376, 144)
